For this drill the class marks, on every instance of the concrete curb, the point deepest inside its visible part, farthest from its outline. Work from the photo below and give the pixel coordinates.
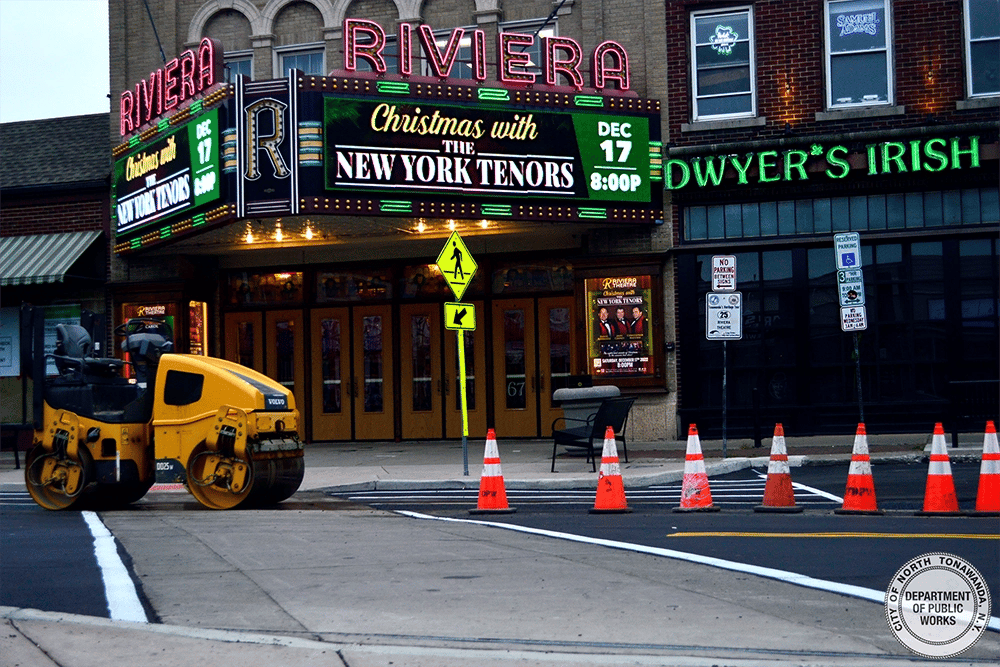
(632, 479)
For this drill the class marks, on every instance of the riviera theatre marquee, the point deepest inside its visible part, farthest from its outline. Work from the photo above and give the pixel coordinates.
(521, 146)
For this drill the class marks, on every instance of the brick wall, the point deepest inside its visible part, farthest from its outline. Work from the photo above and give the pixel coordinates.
(54, 217)
(928, 56)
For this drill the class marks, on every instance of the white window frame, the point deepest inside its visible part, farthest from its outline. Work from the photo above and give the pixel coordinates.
(968, 52)
(529, 27)
(239, 56)
(299, 50)
(696, 115)
(829, 56)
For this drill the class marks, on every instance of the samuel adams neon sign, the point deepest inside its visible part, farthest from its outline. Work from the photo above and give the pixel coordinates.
(560, 55)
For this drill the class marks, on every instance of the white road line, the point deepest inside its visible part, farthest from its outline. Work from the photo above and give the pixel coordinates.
(818, 492)
(768, 572)
(123, 600)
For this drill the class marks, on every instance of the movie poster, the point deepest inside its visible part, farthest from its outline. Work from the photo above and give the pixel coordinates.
(619, 338)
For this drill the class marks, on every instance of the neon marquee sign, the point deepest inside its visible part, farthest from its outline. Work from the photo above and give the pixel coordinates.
(182, 78)
(366, 40)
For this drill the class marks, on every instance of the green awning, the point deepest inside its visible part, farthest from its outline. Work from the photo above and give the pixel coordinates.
(41, 258)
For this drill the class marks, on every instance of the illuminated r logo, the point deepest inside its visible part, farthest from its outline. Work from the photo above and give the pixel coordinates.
(269, 144)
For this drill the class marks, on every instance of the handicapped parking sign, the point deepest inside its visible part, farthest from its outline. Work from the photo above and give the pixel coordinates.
(847, 249)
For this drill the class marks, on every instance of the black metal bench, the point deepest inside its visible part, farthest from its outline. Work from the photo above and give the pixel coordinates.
(589, 434)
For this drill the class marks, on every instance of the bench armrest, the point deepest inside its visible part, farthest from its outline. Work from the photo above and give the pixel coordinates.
(583, 422)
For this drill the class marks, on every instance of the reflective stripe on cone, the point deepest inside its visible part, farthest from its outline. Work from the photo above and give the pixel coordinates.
(779, 496)
(610, 486)
(988, 495)
(939, 494)
(859, 496)
(696, 496)
(492, 494)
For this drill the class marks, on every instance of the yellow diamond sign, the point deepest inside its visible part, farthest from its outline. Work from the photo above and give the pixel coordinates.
(456, 264)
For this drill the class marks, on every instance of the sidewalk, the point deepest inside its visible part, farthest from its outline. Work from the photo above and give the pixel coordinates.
(526, 464)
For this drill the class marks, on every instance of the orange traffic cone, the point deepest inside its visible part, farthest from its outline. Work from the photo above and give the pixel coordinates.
(859, 497)
(939, 494)
(778, 493)
(610, 487)
(696, 496)
(988, 497)
(492, 495)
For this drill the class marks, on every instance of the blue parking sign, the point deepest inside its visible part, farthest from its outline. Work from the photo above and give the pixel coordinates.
(847, 250)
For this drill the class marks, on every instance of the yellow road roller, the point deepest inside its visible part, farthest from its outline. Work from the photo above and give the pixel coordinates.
(102, 425)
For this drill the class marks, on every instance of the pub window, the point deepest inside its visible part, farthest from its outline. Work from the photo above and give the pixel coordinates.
(308, 61)
(858, 65)
(982, 53)
(722, 64)
(913, 210)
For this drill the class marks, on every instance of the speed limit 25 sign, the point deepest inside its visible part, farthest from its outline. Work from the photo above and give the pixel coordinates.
(724, 316)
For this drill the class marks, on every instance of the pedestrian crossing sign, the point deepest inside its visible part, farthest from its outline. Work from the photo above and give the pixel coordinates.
(456, 264)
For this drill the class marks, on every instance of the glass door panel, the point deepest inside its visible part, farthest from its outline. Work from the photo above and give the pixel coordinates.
(420, 370)
(331, 364)
(556, 342)
(475, 380)
(515, 382)
(244, 334)
(371, 381)
(285, 353)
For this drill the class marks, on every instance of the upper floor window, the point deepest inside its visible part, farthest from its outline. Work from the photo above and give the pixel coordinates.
(463, 61)
(859, 62)
(308, 61)
(538, 30)
(982, 30)
(238, 63)
(722, 65)
(390, 53)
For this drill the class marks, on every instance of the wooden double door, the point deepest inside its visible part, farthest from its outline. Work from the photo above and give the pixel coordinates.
(350, 392)
(533, 355)
(352, 354)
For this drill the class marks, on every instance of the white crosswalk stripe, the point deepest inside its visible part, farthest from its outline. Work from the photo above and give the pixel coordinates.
(725, 493)
(15, 498)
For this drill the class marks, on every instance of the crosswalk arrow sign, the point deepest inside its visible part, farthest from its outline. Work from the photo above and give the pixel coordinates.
(459, 316)
(456, 264)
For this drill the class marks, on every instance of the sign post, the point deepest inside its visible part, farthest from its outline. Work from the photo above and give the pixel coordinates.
(724, 320)
(458, 267)
(851, 288)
